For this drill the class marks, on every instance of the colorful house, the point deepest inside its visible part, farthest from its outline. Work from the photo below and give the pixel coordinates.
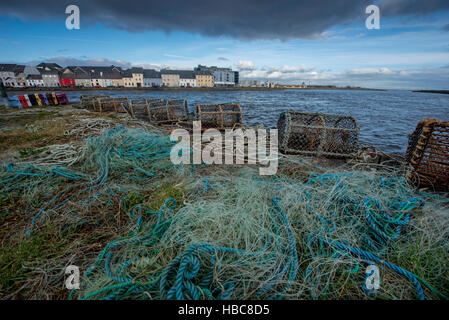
(204, 79)
(35, 80)
(151, 78)
(50, 74)
(187, 79)
(170, 78)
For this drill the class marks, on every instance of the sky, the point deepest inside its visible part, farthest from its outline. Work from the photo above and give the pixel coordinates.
(323, 42)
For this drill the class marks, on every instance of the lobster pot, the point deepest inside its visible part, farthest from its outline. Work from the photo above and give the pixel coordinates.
(32, 99)
(90, 102)
(428, 154)
(50, 99)
(106, 105)
(168, 111)
(38, 99)
(62, 98)
(138, 108)
(43, 100)
(219, 116)
(119, 104)
(317, 134)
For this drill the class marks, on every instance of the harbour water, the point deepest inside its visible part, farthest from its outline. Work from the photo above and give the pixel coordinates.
(385, 118)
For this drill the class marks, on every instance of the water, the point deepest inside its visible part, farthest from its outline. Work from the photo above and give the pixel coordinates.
(385, 118)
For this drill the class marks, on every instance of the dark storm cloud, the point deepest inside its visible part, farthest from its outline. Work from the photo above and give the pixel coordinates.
(252, 19)
(413, 7)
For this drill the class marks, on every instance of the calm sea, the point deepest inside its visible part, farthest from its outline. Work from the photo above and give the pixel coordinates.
(385, 118)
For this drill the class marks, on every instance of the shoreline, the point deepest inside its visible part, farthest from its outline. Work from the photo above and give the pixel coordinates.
(432, 91)
(186, 89)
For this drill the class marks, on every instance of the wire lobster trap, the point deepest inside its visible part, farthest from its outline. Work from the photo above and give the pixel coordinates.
(219, 116)
(170, 111)
(317, 134)
(428, 154)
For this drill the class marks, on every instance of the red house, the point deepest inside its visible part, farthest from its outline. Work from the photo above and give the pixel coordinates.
(67, 78)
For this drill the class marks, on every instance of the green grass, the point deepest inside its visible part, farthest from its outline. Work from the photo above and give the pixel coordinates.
(25, 153)
(160, 195)
(47, 243)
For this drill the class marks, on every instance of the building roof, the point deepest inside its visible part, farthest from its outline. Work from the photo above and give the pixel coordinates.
(210, 69)
(186, 74)
(151, 73)
(34, 77)
(203, 73)
(94, 72)
(12, 67)
(112, 75)
(82, 75)
(135, 70)
(53, 72)
(169, 71)
(95, 69)
(7, 67)
(49, 66)
(127, 74)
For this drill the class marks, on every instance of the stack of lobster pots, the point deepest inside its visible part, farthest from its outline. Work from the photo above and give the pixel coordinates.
(49, 99)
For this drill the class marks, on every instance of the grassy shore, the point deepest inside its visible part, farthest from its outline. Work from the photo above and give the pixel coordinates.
(99, 191)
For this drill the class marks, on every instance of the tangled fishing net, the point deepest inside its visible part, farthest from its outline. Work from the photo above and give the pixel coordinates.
(204, 232)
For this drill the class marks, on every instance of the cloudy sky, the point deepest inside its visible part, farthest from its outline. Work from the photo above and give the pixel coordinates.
(286, 41)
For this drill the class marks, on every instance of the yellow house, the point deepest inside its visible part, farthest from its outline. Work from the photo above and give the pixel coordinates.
(132, 78)
(137, 76)
(204, 79)
(128, 81)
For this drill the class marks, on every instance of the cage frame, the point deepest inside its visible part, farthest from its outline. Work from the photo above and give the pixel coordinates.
(106, 104)
(168, 108)
(427, 155)
(90, 101)
(220, 125)
(119, 104)
(285, 134)
(132, 105)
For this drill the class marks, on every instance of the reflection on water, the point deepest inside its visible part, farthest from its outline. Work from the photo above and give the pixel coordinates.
(385, 118)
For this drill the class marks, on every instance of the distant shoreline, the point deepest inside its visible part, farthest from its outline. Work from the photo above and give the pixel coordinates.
(433, 91)
(188, 89)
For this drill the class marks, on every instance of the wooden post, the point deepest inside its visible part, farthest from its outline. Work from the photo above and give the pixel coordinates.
(4, 94)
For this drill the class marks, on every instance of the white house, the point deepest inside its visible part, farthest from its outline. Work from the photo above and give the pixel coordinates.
(35, 80)
(50, 74)
(7, 75)
(187, 79)
(15, 75)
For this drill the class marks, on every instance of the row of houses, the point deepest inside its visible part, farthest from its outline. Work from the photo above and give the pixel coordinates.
(53, 75)
(257, 83)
